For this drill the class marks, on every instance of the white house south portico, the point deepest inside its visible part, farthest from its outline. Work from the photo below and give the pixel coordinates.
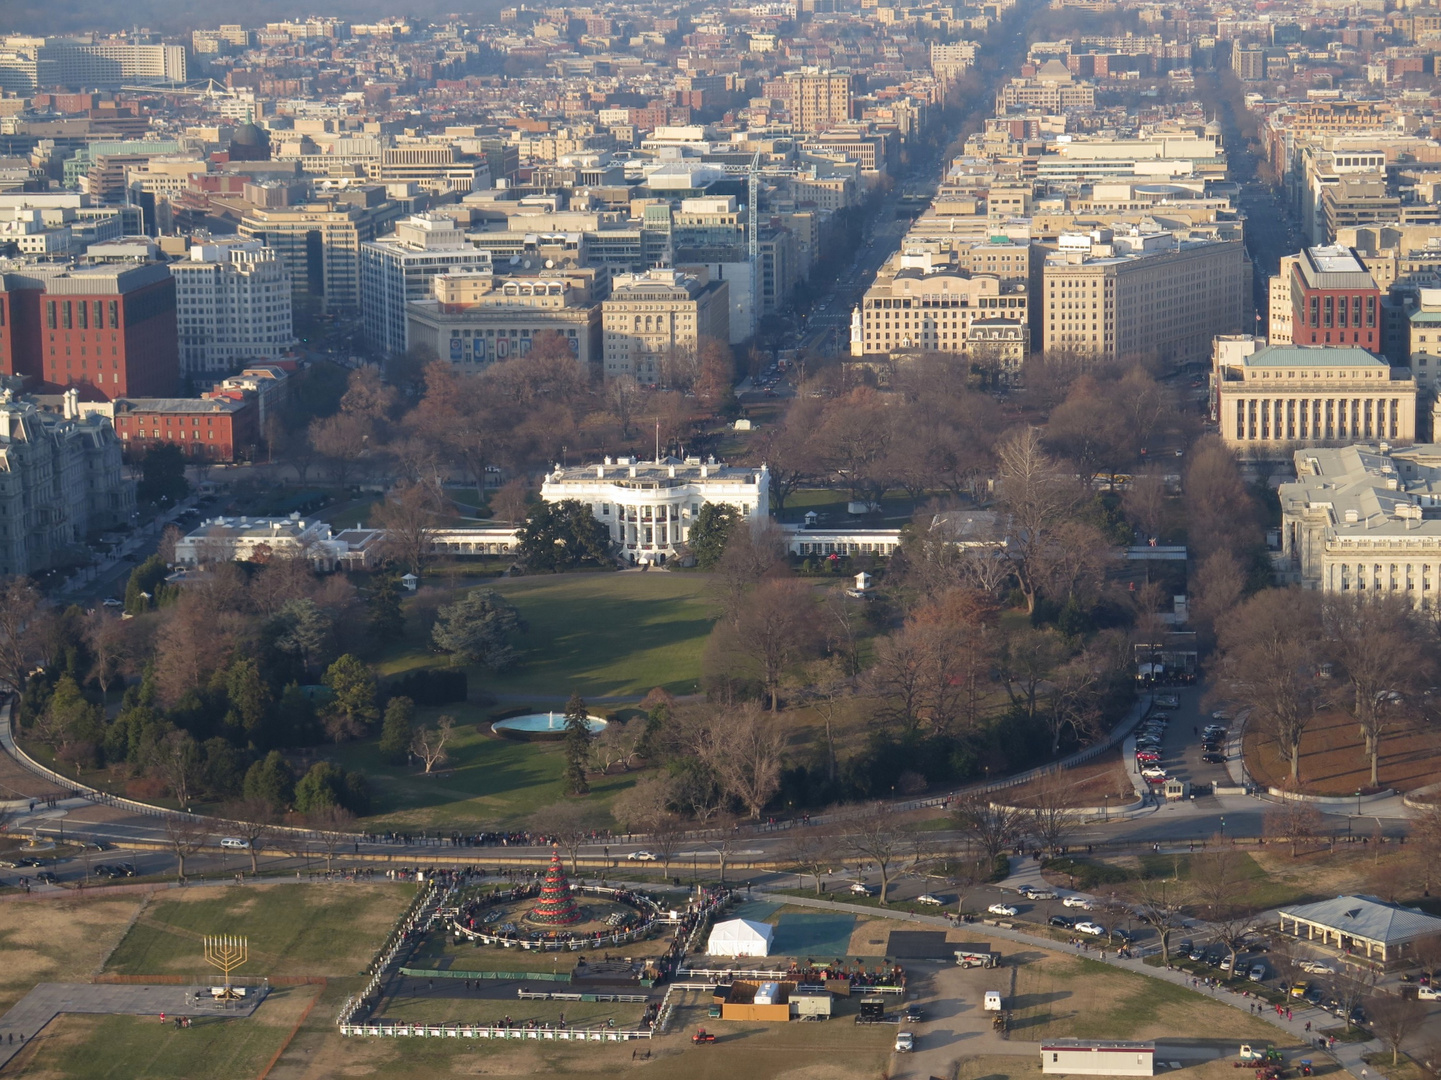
(650, 506)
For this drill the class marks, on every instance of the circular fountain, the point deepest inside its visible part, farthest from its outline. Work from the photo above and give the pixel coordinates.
(542, 724)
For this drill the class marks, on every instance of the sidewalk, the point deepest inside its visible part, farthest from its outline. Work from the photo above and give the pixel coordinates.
(1348, 1055)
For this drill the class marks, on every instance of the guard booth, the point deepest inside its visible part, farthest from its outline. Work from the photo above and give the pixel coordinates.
(1177, 789)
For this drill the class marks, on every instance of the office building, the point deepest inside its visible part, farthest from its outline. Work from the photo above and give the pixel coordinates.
(1365, 520)
(111, 326)
(818, 99)
(232, 306)
(31, 63)
(660, 316)
(474, 318)
(398, 269)
(1118, 294)
(913, 310)
(222, 427)
(1334, 300)
(61, 480)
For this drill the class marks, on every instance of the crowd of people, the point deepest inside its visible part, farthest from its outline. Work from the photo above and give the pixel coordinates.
(812, 974)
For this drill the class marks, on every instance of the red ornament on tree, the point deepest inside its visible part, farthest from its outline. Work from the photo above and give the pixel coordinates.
(556, 906)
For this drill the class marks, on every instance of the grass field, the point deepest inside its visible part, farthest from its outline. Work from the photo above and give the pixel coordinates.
(601, 634)
(293, 929)
(122, 1047)
(1060, 996)
(487, 780)
(64, 941)
(1264, 888)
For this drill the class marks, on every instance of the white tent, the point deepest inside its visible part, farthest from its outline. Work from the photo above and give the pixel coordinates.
(740, 937)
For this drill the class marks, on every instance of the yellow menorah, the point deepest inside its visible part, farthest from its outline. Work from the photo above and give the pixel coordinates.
(226, 953)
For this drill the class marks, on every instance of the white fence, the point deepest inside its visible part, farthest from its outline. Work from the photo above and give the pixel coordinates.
(483, 1031)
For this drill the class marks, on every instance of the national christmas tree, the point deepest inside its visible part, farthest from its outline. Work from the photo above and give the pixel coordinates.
(556, 906)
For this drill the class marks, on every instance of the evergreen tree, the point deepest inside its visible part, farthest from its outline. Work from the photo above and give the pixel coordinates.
(397, 730)
(577, 746)
(147, 578)
(387, 619)
(162, 475)
(321, 787)
(714, 523)
(352, 708)
(271, 781)
(250, 700)
(562, 536)
(478, 628)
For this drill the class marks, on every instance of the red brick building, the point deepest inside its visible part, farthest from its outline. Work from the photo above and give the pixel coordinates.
(223, 428)
(1334, 300)
(111, 327)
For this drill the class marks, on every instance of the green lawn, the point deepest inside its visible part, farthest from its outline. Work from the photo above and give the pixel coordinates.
(487, 780)
(99, 1047)
(1263, 890)
(293, 929)
(831, 506)
(602, 634)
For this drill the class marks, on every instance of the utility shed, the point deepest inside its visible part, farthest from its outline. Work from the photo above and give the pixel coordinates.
(810, 1001)
(1083, 1057)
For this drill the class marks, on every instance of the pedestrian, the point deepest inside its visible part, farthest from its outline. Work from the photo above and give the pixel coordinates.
(1288, 1014)
(1308, 1025)
(162, 1018)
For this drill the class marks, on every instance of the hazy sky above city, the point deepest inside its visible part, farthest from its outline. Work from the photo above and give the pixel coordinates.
(69, 16)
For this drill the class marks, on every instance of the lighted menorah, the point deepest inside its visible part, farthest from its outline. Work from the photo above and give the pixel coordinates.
(226, 953)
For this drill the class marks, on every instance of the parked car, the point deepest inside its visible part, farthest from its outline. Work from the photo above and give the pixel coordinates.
(46, 877)
(1184, 947)
(1428, 993)
(1298, 989)
(905, 1042)
(1257, 973)
(1088, 927)
(1196, 955)
(913, 1014)
(641, 856)
(1041, 894)
(1213, 758)
(110, 601)
(859, 889)
(1064, 922)
(1002, 909)
(927, 898)
(1315, 967)
(1076, 901)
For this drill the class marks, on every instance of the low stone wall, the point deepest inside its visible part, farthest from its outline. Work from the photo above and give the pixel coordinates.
(1332, 800)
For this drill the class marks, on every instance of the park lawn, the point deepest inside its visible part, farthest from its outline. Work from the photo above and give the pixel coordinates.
(293, 929)
(100, 1047)
(1265, 888)
(1062, 996)
(353, 515)
(599, 634)
(59, 941)
(439, 952)
(487, 780)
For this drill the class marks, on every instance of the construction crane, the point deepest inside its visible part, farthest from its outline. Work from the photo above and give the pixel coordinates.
(753, 223)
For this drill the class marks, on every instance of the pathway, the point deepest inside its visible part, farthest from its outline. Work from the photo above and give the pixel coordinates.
(28, 1017)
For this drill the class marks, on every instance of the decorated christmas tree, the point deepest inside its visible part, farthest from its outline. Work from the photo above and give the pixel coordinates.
(556, 906)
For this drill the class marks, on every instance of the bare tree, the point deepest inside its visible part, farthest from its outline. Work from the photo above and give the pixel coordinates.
(775, 628)
(109, 645)
(879, 835)
(648, 808)
(1144, 502)
(747, 758)
(565, 824)
(176, 759)
(1350, 987)
(1221, 892)
(1158, 902)
(411, 515)
(1377, 645)
(1424, 833)
(993, 828)
(1395, 1019)
(812, 851)
(723, 843)
(1293, 819)
(252, 820)
(186, 835)
(19, 625)
(1036, 496)
(332, 827)
(1272, 655)
(429, 742)
(1051, 820)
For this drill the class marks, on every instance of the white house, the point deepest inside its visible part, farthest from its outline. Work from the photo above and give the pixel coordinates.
(649, 506)
(740, 937)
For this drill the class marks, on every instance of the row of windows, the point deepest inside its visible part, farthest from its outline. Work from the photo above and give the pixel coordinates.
(76, 314)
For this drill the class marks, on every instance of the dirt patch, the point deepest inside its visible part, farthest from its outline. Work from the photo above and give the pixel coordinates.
(64, 941)
(1086, 785)
(1333, 760)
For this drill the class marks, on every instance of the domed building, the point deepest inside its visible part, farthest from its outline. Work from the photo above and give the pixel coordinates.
(250, 142)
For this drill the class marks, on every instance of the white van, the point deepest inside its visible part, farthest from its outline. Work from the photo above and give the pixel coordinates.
(235, 842)
(992, 1001)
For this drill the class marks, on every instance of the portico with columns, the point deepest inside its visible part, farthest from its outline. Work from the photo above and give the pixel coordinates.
(1290, 394)
(649, 506)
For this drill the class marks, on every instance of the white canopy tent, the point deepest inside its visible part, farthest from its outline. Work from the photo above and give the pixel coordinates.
(740, 937)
